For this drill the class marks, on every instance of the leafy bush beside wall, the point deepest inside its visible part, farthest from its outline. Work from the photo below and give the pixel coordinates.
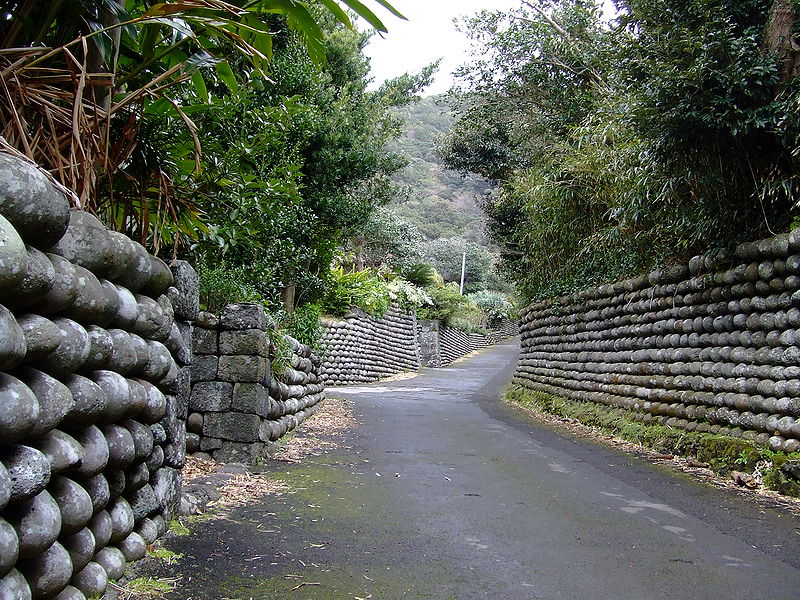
(224, 284)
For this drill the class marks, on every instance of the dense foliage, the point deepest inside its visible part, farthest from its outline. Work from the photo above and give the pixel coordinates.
(222, 284)
(620, 146)
(241, 127)
(385, 240)
(452, 309)
(298, 165)
(303, 324)
(495, 305)
(238, 134)
(371, 290)
(445, 255)
(439, 202)
(96, 91)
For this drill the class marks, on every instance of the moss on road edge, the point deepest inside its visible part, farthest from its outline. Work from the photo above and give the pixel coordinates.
(743, 461)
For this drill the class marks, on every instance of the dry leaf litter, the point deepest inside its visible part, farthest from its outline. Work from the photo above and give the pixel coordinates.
(317, 435)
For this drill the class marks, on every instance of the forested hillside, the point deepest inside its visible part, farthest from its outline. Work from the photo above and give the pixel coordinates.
(439, 202)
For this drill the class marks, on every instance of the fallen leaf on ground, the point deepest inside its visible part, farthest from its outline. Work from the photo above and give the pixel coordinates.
(659, 456)
(335, 417)
(305, 583)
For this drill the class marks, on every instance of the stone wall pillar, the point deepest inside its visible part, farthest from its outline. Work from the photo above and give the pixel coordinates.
(238, 406)
(430, 344)
(231, 376)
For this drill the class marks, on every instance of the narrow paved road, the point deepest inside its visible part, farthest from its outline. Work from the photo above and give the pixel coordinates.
(445, 493)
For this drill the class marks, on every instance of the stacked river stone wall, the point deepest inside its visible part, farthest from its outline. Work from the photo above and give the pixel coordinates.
(710, 346)
(504, 329)
(455, 343)
(361, 349)
(440, 345)
(93, 390)
(239, 404)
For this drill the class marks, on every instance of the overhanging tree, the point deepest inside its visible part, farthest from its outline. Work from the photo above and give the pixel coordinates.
(673, 131)
(293, 167)
(84, 78)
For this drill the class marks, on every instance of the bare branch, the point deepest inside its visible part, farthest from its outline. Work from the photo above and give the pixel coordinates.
(563, 32)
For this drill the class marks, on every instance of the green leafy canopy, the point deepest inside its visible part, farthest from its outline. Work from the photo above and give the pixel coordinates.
(619, 146)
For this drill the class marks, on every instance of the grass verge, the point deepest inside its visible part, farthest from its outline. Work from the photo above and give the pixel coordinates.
(722, 454)
(165, 554)
(145, 588)
(178, 528)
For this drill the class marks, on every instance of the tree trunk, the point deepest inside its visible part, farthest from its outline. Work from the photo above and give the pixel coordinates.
(97, 65)
(779, 38)
(287, 297)
(358, 246)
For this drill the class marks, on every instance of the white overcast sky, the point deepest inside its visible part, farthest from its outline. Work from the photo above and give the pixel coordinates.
(428, 34)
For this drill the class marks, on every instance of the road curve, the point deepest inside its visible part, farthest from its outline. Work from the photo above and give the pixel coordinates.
(447, 494)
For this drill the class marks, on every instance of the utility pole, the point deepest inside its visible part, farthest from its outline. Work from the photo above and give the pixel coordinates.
(463, 270)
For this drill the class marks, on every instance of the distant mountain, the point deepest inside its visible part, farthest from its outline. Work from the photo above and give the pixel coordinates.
(441, 203)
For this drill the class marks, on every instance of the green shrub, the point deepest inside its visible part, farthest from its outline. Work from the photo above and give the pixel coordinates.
(776, 479)
(303, 325)
(224, 284)
(365, 289)
(421, 274)
(280, 351)
(495, 305)
(453, 309)
(447, 301)
(407, 295)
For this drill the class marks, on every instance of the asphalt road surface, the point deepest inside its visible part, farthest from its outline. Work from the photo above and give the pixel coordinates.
(445, 493)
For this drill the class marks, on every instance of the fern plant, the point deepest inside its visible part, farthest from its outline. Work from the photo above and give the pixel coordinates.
(366, 289)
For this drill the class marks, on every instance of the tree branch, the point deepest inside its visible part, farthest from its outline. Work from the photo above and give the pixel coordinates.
(552, 22)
